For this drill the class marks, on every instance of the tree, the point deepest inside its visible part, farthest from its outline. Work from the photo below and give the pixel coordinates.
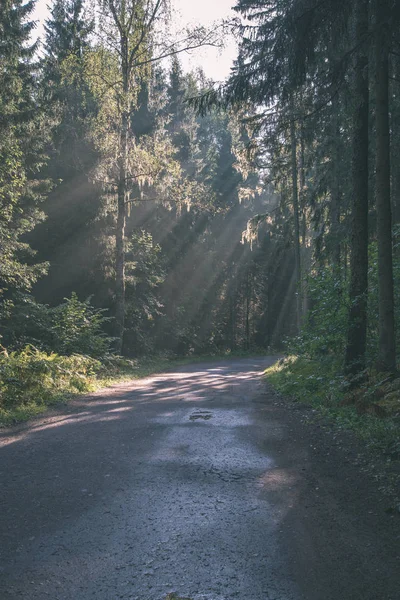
(387, 350)
(69, 102)
(296, 219)
(22, 137)
(128, 28)
(281, 51)
(357, 327)
(67, 33)
(69, 237)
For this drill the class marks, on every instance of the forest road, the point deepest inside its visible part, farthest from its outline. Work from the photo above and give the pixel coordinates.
(200, 481)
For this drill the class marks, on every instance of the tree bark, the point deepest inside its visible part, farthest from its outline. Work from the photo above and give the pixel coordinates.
(302, 195)
(357, 324)
(122, 201)
(248, 300)
(336, 193)
(305, 251)
(295, 203)
(387, 352)
(395, 141)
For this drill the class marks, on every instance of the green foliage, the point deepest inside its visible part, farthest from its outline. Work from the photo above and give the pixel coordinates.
(322, 386)
(22, 137)
(144, 275)
(34, 377)
(77, 328)
(323, 335)
(307, 380)
(73, 327)
(312, 374)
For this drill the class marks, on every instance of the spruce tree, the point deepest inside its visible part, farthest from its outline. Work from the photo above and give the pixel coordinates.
(70, 103)
(72, 236)
(22, 136)
(387, 345)
(357, 327)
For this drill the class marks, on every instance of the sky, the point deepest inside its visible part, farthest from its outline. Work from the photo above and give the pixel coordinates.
(215, 63)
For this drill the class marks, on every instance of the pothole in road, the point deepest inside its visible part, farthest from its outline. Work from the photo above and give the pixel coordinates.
(205, 416)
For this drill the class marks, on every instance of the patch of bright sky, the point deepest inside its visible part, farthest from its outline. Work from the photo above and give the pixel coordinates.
(215, 63)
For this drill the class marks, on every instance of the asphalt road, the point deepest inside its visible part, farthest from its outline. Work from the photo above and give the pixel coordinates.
(199, 481)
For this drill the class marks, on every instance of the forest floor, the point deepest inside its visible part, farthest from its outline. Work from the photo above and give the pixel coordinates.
(201, 481)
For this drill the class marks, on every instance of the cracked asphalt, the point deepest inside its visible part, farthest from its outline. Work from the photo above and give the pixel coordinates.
(199, 481)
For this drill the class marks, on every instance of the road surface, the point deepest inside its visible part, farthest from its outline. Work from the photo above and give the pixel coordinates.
(199, 481)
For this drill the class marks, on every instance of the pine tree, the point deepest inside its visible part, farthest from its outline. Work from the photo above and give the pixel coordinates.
(387, 345)
(72, 236)
(69, 101)
(357, 328)
(22, 136)
(67, 31)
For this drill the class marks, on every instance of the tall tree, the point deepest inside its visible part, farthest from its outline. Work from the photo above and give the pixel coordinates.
(22, 136)
(387, 350)
(128, 28)
(357, 328)
(68, 237)
(69, 101)
(296, 217)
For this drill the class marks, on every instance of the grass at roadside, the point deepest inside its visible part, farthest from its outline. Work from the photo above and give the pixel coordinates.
(32, 381)
(372, 410)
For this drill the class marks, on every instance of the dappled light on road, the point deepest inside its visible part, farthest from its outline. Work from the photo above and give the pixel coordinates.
(194, 480)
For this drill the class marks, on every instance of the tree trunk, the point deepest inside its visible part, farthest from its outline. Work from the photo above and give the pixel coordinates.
(120, 264)
(305, 251)
(395, 141)
(295, 202)
(336, 194)
(302, 196)
(248, 300)
(387, 353)
(122, 203)
(357, 325)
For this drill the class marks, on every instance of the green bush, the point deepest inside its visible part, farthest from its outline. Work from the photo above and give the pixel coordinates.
(34, 377)
(324, 332)
(77, 328)
(323, 335)
(73, 327)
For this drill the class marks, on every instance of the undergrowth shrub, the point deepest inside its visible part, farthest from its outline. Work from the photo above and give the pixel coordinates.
(78, 328)
(318, 384)
(323, 334)
(313, 370)
(32, 376)
(308, 381)
(73, 327)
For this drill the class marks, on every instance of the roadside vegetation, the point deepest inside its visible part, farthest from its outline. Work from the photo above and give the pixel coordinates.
(59, 353)
(371, 411)
(31, 380)
(313, 371)
(63, 352)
